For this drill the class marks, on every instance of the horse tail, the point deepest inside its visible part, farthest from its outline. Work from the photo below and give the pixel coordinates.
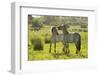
(79, 43)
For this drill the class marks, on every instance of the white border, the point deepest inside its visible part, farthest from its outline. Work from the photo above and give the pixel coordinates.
(20, 65)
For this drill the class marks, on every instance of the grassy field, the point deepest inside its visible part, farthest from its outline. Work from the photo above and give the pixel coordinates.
(44, 54)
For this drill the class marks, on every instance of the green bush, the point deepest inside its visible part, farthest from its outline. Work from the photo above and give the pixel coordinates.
(47, 39)
(83, 26)
(80, 30)
(85, 30)
(37, 43)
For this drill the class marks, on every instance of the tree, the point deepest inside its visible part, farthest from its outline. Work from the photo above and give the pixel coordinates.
(29, 19)
(36, 23)
(51, 20)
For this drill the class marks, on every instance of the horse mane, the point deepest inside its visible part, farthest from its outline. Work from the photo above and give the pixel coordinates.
(54, 30)
(65, 29)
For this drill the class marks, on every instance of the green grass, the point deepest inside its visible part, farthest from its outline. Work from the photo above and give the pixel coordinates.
(45, 55)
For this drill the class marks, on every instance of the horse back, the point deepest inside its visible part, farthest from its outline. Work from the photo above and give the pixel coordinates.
(71, 37)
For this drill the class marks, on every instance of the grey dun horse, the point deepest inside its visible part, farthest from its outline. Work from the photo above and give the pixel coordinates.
(65, 38)
(56, 37)
(71, 38)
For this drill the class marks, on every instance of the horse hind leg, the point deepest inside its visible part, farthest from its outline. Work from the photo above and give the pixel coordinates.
(79, 45)
(77, 49)
(65, 49)
(50, 46)
(68, 51)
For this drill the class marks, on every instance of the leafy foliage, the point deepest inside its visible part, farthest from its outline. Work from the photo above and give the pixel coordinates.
(37, 43)
(58, 20)
(47, 39)
(83, 26)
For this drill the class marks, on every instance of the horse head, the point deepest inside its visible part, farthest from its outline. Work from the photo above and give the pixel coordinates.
(63, 27)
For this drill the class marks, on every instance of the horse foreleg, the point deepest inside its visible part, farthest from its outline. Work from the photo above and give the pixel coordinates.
(55, 47)
(65, 48)
(68, 51)
(50, 46)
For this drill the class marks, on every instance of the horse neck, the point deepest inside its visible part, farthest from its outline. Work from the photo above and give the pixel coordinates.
(55, 32)
(65, 31)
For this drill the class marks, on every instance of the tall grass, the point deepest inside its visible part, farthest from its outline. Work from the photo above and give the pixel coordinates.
(37, 43)
(42, 39)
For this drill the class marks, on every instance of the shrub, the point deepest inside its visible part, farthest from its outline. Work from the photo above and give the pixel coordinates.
(83, 26)
(37, 43)
(47, 39)
(29, 45)
(74, 30)
(80, 30)
(85, 30)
